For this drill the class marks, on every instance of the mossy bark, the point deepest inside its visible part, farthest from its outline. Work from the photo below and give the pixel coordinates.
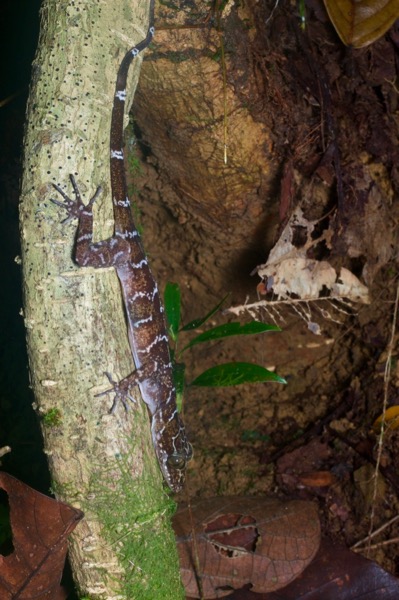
(74, 317)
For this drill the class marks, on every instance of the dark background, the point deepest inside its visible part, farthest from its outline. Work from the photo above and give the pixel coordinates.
(18, 423)
(19, 426)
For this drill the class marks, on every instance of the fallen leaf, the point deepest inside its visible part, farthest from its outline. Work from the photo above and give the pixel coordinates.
(261, 541)
(288, 270)
(306, 458)
(40, 527)
(361, 22)
(335, 573)
(391, 418)
(317, 478)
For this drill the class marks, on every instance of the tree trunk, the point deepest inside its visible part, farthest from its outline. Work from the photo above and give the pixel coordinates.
(74, 318)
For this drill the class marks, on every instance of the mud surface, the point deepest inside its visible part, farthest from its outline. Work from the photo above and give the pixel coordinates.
(329, 117)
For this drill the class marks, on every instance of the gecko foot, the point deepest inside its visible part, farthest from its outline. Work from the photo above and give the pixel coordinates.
(74, 208)
(121, 391)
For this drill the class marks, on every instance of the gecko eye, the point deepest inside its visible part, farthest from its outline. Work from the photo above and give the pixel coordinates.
(177, 461)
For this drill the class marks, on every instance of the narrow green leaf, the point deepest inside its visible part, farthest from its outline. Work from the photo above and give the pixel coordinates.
(172, 308)
(198, 322)
(178, 378)
(228, 329)
(235, 374)
(302, 14)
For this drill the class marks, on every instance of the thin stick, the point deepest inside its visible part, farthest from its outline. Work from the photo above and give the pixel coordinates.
(376, 532)
(197, 566)
(387, 378)
(224, 75)
(379, 545)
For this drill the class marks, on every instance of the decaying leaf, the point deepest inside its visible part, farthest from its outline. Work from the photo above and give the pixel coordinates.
(240, 540)
(40, 528)
(302, 284)
(361, 22)
(336, 573)
(288, 269)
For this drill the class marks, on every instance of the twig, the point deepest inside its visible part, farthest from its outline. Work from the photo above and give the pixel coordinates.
(387, 378)
(224, 76)
(379, 545)
(237, 310)
(376, 532)
(272, 13)
(196, 561)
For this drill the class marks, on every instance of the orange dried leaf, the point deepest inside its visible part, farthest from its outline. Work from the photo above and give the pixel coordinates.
(391, 418)
(317, 478)
(261, 288)
(361, 22)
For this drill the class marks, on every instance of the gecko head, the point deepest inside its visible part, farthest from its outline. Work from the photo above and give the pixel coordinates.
(174, 451)
(174, 468)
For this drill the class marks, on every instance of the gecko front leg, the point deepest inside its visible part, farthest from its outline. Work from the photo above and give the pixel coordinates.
(108, 253)
(76, 208)
(121, 388)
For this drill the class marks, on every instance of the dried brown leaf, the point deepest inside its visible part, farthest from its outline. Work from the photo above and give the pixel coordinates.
(240, 540)
(40, 527)
(335, 573)
(361, 22)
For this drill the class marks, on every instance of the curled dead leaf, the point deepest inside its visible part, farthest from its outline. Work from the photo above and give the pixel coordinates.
(289, 270)
(240, 540)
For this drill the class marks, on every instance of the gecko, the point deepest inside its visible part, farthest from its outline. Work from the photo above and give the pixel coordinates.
(144, 311)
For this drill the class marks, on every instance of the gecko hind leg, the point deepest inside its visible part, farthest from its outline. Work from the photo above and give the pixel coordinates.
(121, 389)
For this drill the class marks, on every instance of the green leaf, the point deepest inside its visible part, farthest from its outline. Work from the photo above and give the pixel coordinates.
(302, 14)
(172, 308)
(198, 322)
(228, 329)
(178, 378)
(234, 374)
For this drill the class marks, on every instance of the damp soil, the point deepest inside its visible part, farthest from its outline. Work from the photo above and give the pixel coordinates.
(324, 121)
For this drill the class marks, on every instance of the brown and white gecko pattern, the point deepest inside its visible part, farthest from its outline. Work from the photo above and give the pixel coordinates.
(144, 311)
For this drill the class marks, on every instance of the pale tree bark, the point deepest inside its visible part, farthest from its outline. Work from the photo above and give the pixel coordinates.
(74, 318)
